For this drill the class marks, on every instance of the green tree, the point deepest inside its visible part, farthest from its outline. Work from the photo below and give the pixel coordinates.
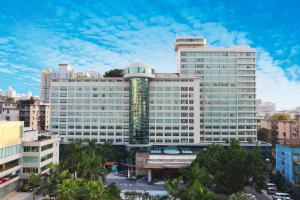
(113, 190)
(73, 158)
(34, 183)
(91, 167)
(274, 137)
(239, 196)
(196, 191)
(263, 134)
(81, 189)
(173, 188)
(233, 168)
(280, 116)
(114, 73)
(56, 175)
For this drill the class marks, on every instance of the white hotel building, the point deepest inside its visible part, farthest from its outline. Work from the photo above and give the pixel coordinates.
(210, 99)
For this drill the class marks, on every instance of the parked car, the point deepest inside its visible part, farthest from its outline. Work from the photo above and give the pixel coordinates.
(271, 190)
(281, 196)
(271, 185)
(159, 183)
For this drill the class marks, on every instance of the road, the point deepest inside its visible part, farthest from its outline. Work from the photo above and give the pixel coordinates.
(259, 196)
(141, 185)
(132, 185)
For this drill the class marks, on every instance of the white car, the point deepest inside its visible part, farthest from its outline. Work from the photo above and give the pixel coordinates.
(269, 185)
(281, 196)
(159, 183)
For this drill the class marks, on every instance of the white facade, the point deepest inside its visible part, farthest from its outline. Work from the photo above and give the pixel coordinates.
(227, 88)
(211, 99)
(39, 151)
(64, 71)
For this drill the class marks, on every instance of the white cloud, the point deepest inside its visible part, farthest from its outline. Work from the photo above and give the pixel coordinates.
(119, 40)
(273, 85)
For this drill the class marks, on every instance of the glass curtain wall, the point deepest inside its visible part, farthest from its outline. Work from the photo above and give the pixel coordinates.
(139, 111)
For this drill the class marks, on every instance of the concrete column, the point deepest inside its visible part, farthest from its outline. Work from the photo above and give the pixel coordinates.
(149, 176)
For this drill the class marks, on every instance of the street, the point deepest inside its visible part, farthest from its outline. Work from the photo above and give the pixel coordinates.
(132, 185)
(259, 196)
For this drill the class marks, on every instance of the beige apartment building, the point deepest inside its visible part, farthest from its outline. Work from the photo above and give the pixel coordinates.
(44, 116)
(287, 129)
(30, 113)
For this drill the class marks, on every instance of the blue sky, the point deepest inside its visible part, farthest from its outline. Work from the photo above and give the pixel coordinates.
(100, 35)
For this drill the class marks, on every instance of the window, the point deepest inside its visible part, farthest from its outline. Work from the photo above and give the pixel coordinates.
(30, 159)
(46, 147)
(31, 149)
(30, 170)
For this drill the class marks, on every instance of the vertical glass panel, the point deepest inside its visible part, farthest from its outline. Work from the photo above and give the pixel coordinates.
(139, 111)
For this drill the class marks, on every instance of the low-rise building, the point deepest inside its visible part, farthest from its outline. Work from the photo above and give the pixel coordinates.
(9, 110)
(288, 162)
(39, 152)
(166, 160)
(11, 134)
(23, 151)
(287, 129)
(265, 109)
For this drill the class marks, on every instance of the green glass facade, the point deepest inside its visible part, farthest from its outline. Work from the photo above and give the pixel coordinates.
(139, 111)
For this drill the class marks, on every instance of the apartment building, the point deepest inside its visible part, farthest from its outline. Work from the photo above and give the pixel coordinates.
(64, 71)
(288, 162)
(23, 151)
(211, 98)
(39, 152)
(265, 109)
(9, 110)
(44, 116)
(30, 113)
(11, 134)
(286, 129)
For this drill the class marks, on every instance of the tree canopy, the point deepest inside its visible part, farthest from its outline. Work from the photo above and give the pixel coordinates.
(78, 175)
(230, 169)
(280, 116)
(114, 73)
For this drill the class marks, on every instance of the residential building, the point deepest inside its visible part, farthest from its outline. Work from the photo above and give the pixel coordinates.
(288, 162)
(11, 134)
(11, 92)
(44, 116)
(39, 152)
(9, 110)
(286, 129)
(265, 109)
(30, 113)
(211, 99)
(64, 71)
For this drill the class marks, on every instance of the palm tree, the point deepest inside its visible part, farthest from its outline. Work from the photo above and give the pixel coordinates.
(74, 156)
(56, 175)
(91, 167)
(197, 191)
(33, 181)
(172, 187)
